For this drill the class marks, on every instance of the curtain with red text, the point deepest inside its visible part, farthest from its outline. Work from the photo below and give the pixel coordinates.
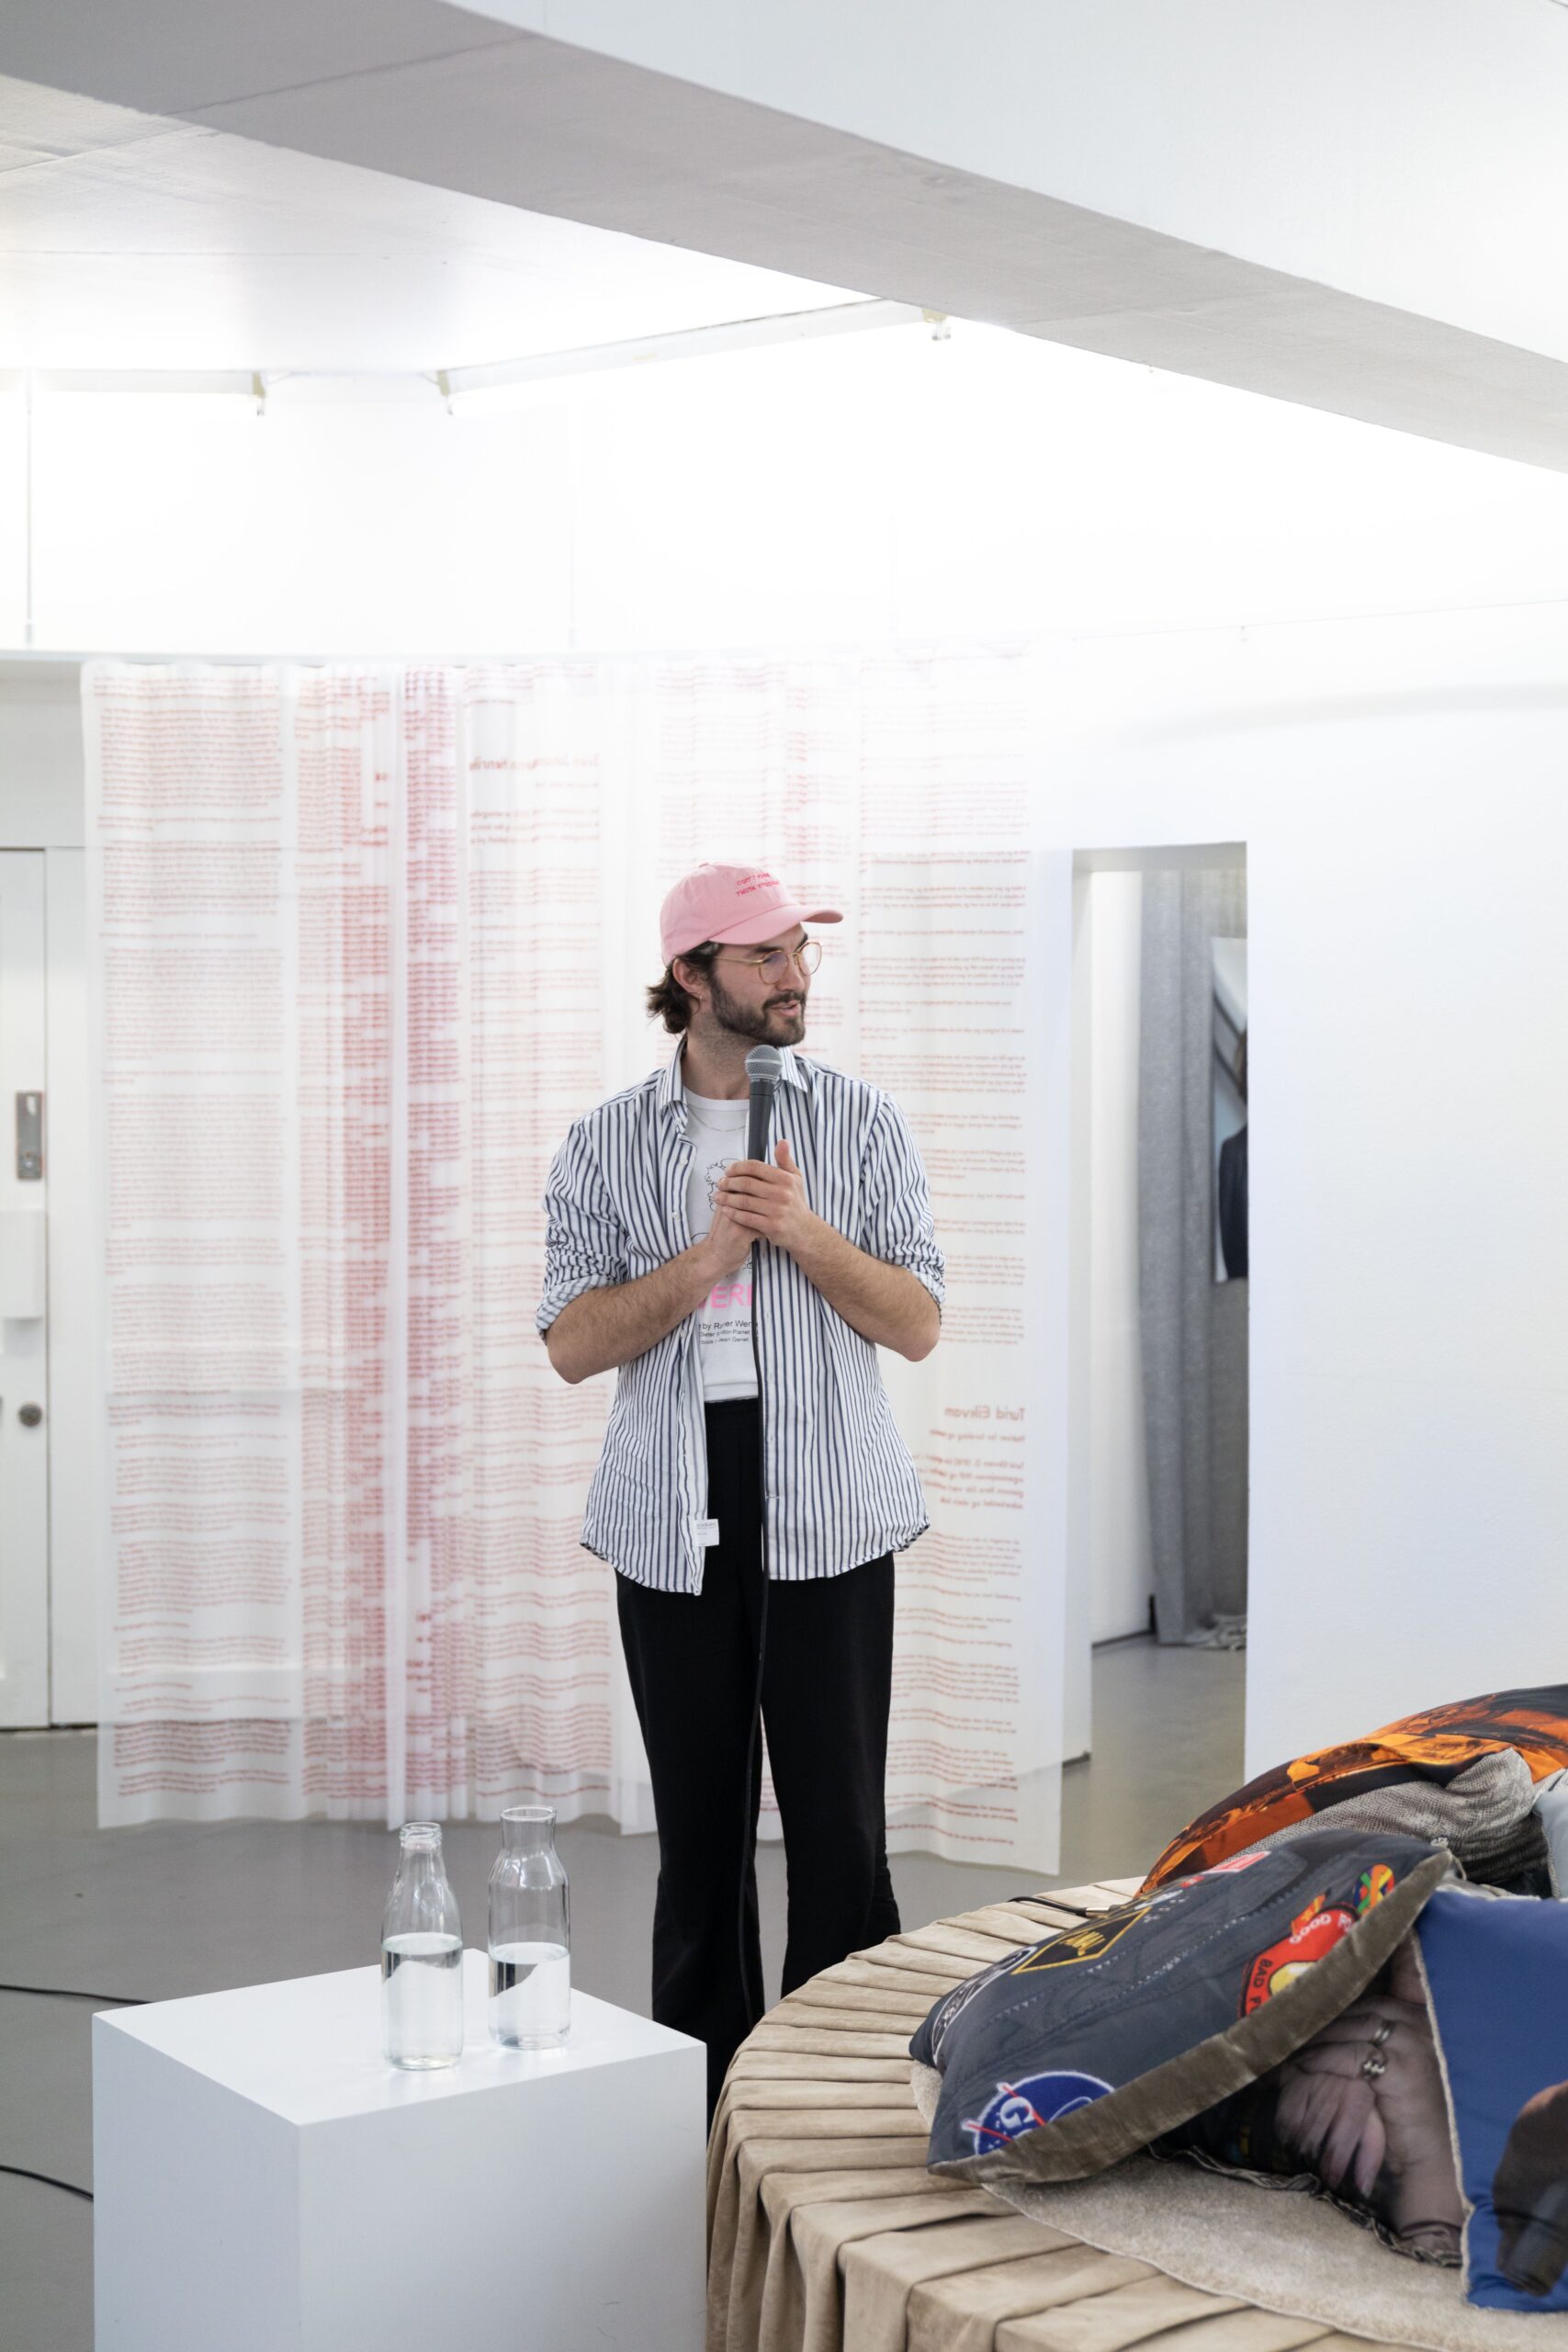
(366, 940)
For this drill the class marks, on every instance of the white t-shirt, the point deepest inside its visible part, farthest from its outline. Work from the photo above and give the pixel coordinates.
(717, 1130)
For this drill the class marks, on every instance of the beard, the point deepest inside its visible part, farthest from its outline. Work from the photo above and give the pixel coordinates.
(771, 1025)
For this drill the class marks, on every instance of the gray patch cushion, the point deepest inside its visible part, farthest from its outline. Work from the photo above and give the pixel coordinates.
(1489, 1816)
(1063, 2058)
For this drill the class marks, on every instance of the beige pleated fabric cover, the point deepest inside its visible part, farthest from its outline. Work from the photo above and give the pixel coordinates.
(827, 2235)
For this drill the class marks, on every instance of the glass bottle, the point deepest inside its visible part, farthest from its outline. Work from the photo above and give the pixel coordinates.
(422, 1956)
(530, 1933)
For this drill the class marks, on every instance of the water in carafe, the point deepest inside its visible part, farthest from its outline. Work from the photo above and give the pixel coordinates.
(530, 1934)
(421, 1957)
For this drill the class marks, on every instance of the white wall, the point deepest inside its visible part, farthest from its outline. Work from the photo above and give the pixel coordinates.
(1399, 786)
(1108, 1571)
(877, 486)
(1121, 1561)
(42, 803)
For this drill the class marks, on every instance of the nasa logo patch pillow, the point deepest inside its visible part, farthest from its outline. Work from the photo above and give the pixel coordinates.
(1497, 1968)
(1063, 2058)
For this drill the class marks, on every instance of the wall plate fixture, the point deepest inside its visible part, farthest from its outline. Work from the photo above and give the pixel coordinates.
(29, 1138)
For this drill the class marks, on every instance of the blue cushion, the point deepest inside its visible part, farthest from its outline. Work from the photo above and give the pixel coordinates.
(1497, 1975)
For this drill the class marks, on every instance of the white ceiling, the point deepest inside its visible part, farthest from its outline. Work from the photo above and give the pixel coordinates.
(129, 239)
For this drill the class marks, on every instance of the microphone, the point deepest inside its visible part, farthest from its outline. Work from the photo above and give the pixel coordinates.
(764, 1068)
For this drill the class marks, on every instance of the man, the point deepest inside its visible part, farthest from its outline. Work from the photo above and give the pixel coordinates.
(687, 1266)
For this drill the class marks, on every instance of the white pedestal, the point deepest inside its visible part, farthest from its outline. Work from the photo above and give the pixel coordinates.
(264, 2179)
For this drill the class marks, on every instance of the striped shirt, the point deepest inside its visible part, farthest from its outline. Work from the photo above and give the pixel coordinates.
(841, 1485)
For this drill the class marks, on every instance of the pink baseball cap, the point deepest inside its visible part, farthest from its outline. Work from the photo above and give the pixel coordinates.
(735, 905)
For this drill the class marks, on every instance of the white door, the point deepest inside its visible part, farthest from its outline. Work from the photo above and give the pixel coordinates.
(24, 1330)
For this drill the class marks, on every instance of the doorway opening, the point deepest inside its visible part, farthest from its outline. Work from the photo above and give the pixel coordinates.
(1157, 1337)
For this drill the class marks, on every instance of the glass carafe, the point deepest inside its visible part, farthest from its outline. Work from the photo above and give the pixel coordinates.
(422, 1956)
(530, 1933)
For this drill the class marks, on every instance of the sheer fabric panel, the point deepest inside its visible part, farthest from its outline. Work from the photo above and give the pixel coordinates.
(367, 940)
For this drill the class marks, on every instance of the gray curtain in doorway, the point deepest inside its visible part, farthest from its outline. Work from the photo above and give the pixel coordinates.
(1194, 1329)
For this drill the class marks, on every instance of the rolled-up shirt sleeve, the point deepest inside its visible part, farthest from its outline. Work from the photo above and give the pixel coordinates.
(585, 1245)
(895, 1217)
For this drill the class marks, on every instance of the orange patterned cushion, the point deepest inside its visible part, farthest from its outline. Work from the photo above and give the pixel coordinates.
(1436, 1746)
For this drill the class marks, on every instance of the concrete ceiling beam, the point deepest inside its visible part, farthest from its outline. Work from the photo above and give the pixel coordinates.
(460, 99)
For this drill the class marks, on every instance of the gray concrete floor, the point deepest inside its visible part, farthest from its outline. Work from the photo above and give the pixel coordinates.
(153, 1913)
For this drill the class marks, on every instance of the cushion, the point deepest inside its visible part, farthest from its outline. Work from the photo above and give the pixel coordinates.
(1497, 1967)
(1063, 2058)
(1464, 1775)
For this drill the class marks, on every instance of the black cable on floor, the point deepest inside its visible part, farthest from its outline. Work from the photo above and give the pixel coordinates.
(64, 1993)
(54, 1993)
(49, 2181)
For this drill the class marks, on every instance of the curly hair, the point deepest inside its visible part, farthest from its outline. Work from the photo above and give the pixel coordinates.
(668, 1000)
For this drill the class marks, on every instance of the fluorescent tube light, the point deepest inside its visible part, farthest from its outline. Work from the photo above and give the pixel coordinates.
(509, 382)
(224, 383)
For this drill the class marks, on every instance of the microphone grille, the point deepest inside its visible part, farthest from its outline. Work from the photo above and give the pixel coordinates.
(766, 1063)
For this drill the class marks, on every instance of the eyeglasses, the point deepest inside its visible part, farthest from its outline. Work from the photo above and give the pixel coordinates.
(774, 965)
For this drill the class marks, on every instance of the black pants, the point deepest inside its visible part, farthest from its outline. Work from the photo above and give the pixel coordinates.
(826, 1681)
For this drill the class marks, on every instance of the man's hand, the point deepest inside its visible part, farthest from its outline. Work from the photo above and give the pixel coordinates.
(887, 1305)
(768, 1203)
(609, 1325)
(724, 1247)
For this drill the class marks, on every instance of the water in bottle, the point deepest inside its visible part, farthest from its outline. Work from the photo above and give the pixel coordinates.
(530, 1933)
(421, 1957)
(530, 1994)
